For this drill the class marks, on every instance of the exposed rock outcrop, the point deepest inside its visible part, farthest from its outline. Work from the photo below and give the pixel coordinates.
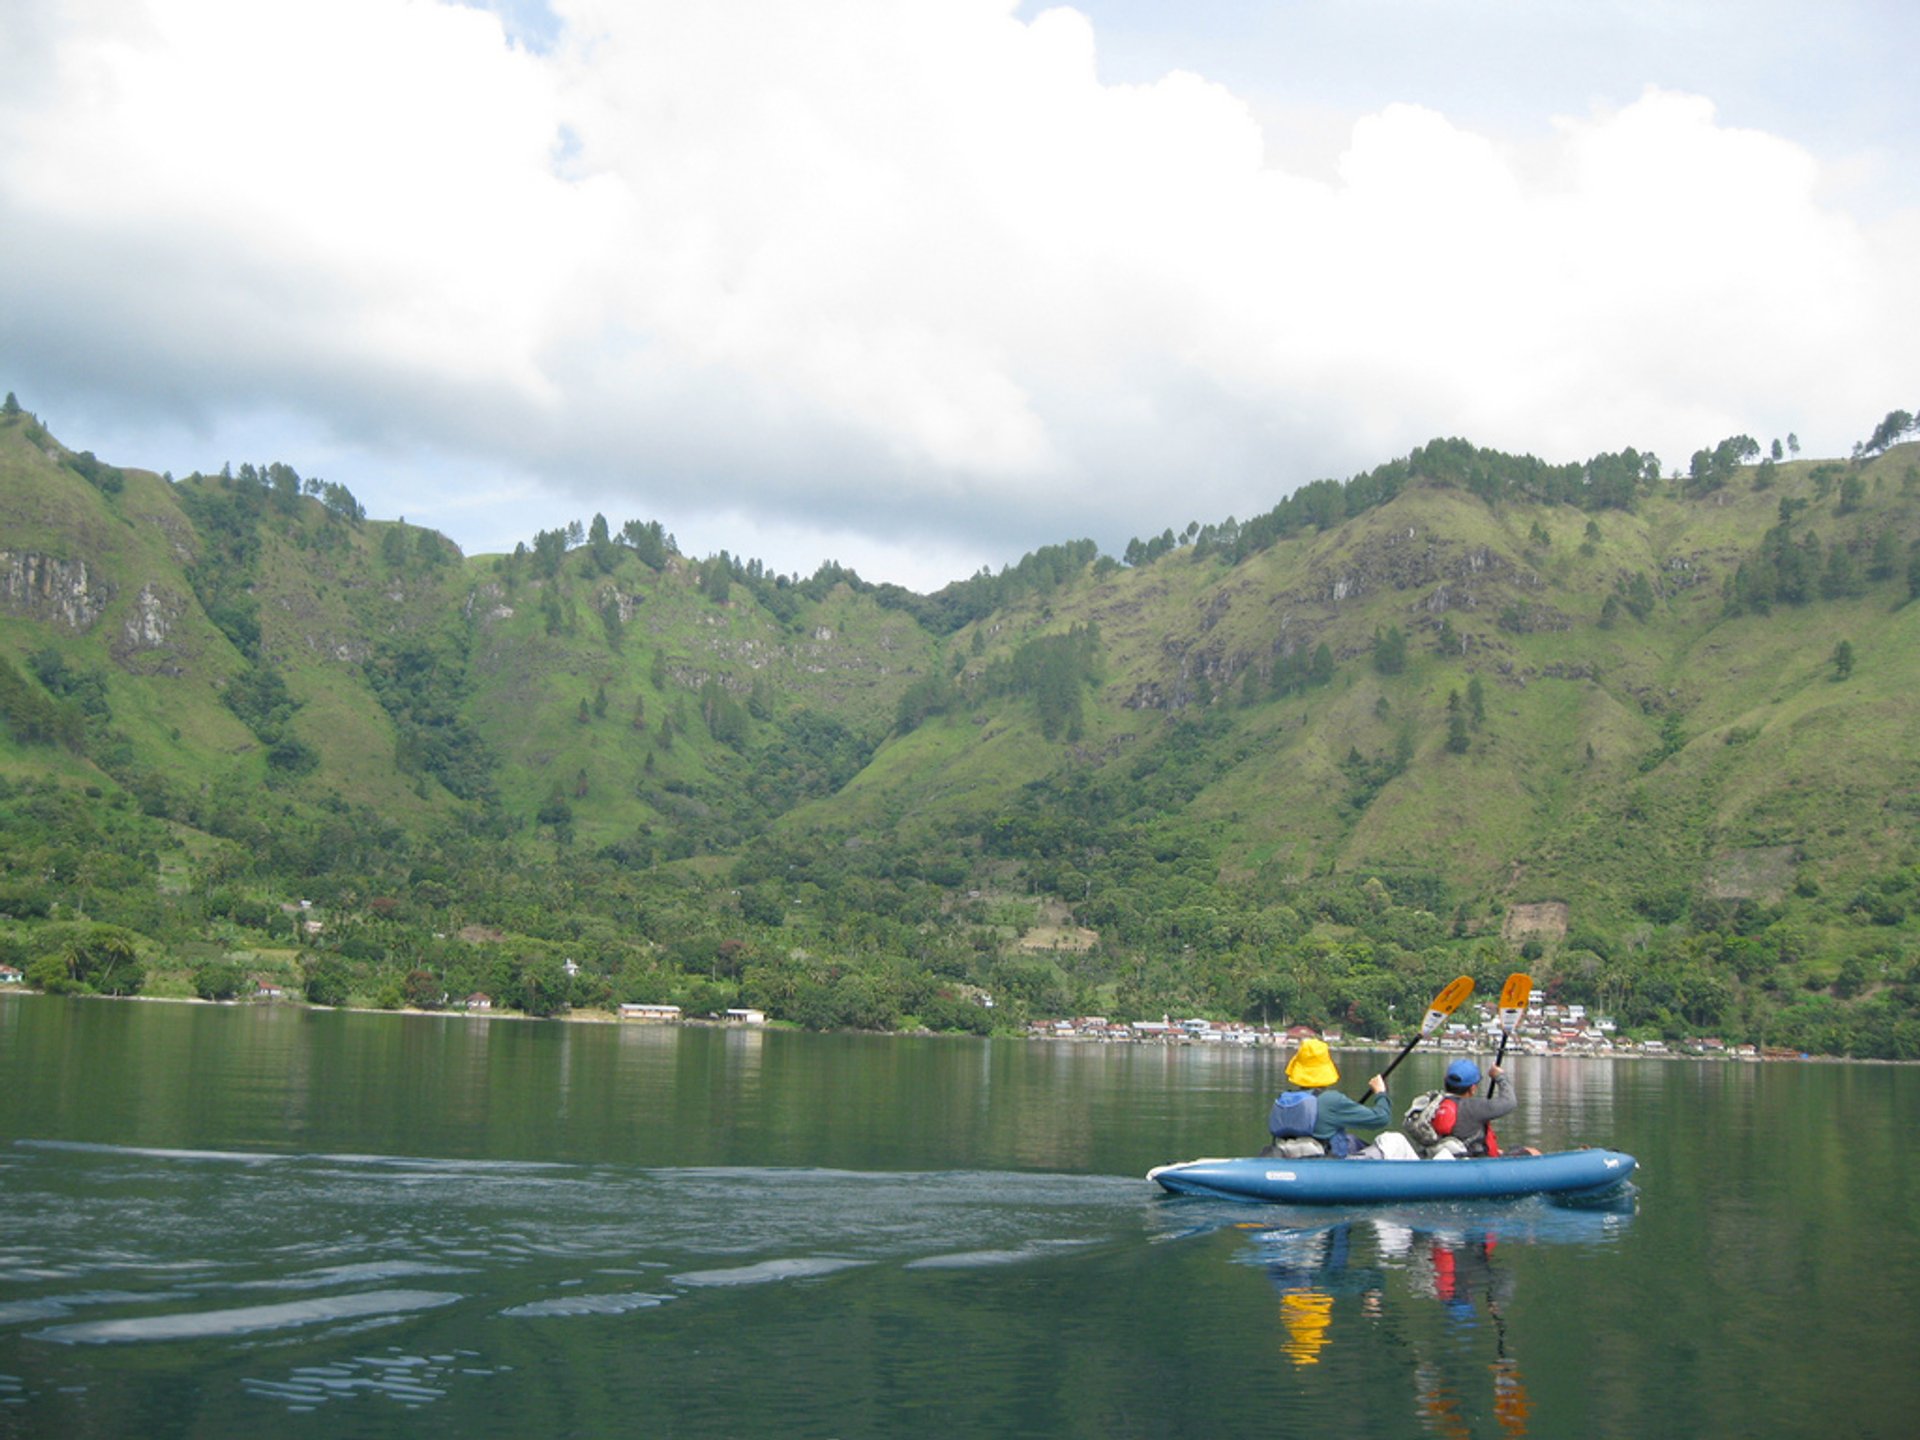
(46, 588)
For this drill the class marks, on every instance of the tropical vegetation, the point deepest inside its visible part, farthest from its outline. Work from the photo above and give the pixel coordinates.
(1648, 730)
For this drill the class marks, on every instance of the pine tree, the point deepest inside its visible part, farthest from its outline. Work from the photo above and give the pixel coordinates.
(1457, 739)
(1321, 671)
(1389, 651)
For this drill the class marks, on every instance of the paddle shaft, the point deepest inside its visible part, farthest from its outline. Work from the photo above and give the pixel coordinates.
(1444, 1004)
(1405, 1050)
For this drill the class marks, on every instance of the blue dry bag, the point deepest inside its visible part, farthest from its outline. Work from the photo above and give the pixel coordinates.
(1294, 1115)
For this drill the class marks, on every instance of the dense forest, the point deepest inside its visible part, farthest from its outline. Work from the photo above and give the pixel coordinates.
(1647, 730)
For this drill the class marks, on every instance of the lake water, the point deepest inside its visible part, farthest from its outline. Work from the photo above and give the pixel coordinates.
(220, 1221)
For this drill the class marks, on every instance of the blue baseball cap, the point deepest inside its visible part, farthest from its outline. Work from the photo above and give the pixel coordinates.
(1462, 1075)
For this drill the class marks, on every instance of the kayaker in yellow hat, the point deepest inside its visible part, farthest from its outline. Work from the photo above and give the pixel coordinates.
(1313, 1119)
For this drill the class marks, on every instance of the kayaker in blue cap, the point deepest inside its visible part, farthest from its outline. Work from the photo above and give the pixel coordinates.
(1472, 1116)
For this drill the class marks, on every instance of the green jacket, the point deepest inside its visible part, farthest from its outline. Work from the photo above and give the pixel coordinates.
(1337, 1112)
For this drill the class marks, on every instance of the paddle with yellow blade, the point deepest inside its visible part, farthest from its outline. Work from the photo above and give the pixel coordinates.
(1513, 1005)
(1444, 1004)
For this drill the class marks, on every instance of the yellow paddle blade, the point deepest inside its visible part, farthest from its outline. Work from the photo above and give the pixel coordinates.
(1513, 999)
(1446, 1002)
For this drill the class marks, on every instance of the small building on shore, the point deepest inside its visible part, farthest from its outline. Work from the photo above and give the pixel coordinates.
(654, 1014)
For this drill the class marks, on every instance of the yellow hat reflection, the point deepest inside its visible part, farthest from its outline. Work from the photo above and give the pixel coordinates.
(1307, 1314)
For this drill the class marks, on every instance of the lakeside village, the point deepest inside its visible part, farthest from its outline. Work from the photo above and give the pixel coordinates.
(1547, 1030)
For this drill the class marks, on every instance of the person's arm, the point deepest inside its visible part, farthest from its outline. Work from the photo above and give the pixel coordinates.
(1379, 1105)
(1340, 1112)
(1500, 1097)
(1471, 1113)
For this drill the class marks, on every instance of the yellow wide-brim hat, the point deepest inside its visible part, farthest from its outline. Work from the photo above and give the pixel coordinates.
(1312, 1067)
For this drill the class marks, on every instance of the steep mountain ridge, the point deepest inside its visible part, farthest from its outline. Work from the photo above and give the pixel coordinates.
(1574, 707)
(1633, 719)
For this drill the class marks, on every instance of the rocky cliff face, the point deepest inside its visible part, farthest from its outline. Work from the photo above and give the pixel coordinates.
(51, 590)
(148, 641)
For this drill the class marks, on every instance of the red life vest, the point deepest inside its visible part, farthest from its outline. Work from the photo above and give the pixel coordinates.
(1446, 1113)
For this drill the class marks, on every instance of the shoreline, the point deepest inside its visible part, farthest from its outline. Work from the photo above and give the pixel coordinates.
(605, 1017)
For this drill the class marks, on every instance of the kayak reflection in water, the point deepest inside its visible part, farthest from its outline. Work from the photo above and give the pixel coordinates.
(1310, 1268)
(1323, 1272)
(1457, 1269)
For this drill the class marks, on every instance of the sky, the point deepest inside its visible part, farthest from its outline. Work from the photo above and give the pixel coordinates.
(919, 286)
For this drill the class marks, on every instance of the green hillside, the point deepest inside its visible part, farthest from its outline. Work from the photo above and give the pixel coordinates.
(1654, 734)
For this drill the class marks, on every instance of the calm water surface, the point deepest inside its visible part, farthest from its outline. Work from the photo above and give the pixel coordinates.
(221, 1221)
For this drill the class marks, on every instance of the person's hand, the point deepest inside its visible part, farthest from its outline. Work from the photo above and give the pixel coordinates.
(1377, 1086)
(1493, 1072)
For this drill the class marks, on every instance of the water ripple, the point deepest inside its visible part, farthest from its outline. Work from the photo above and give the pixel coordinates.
(806, 1268)
(612, 1304)
(193, 1325)
(129, 1243)
(411, 1380)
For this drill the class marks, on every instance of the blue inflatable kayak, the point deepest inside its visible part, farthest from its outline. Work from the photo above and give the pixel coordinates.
(1319, 1181)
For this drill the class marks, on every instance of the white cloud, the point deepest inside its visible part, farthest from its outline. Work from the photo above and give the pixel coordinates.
(908, 281)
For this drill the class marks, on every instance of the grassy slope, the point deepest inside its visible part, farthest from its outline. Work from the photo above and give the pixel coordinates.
(163, 694)
(320, 612)
(327, 601)
(844, 658)
(1550, 802)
